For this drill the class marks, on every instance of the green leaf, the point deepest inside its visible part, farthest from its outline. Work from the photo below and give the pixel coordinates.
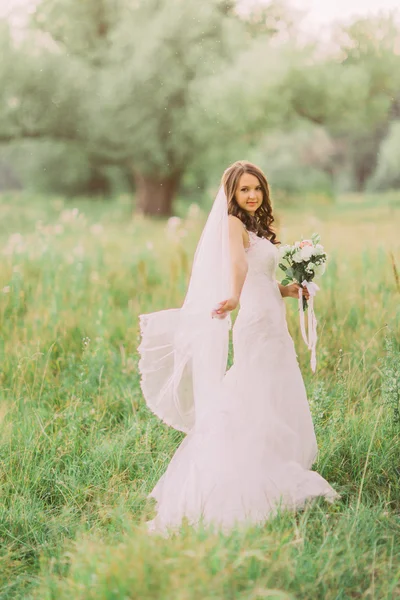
(283, 267)
(285, 281)
(315, 238)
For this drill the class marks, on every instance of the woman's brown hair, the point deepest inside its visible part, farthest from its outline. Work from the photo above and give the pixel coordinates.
(262, 220)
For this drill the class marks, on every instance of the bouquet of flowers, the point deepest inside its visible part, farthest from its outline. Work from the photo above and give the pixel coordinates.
(305, 261)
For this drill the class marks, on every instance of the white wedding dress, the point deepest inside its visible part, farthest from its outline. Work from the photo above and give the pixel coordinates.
(253, 451)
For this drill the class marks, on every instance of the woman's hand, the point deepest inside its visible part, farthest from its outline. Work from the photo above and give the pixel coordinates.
(292, 290)
(222, 308)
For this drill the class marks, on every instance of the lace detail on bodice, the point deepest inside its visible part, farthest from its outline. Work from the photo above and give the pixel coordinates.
(252, 239)
(262, 256)
(262, 308)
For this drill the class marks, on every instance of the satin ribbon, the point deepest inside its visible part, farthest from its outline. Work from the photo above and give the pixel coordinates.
(312, 321)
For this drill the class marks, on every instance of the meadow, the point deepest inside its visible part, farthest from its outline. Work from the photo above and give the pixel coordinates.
(79, 450)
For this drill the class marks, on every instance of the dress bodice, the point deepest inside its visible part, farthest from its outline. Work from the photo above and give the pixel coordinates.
(262, 256)
(262, 308)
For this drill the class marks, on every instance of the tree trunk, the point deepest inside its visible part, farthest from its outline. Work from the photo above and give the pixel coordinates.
(154, 194)
(363, 169)
(98, 183)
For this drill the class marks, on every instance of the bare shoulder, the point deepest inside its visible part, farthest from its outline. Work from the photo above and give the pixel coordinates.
(237, 230)
(235, 221)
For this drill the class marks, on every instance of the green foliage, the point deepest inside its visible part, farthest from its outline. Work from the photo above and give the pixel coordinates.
(139, 86)
(298, 160)
(355, 94)
(317, 555)
(49, 166)
(387, 174)
(391, 379)
(164, 89)
(149, 68)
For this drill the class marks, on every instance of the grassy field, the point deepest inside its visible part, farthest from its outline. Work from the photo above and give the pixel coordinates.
(79, 450)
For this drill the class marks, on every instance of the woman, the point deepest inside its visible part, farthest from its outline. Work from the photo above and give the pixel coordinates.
(250, 439)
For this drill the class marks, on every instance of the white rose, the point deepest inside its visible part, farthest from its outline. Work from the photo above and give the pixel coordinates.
(283, 249)
(318, 250)
(306, 252)
(297, 257)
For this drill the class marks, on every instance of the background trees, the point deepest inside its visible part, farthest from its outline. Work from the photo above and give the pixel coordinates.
(158, 96)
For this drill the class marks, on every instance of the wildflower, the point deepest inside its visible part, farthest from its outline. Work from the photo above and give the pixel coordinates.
(173, 223)
(58, 229)
(79, 251)
(193, 211)
(96, 229)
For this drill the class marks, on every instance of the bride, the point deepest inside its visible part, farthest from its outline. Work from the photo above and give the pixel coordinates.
(250, 440)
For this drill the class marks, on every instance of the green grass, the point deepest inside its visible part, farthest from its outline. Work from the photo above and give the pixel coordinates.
(79, 450)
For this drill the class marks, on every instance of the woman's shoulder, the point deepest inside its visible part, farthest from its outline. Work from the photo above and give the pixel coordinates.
(236, 220)
(238, 228)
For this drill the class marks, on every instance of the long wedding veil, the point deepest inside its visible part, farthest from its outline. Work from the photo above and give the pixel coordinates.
(183, 351)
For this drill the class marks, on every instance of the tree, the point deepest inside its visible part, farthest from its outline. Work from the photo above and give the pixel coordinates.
(387, 174)
(150, 86)
(373, 44)
(122, 79)
(354, 93)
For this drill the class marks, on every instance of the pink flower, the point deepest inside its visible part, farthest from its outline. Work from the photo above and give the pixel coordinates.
(305, 243)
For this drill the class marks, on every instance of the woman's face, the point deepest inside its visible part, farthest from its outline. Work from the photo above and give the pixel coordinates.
(249, 194)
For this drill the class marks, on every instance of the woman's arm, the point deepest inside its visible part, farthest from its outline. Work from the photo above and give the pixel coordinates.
(292, 290)
(239, 267)
(282, 289)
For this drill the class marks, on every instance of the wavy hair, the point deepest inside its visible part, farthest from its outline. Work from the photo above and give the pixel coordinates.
(263, 218)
